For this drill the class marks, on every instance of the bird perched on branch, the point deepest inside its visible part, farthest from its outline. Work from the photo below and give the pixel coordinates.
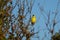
(33, 19)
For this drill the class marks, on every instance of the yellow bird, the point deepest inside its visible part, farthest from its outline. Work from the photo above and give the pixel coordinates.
(33, 19)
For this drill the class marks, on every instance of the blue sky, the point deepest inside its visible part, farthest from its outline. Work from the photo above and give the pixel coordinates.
(48, 5)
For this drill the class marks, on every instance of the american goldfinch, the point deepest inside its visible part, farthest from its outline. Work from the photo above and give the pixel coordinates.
(33, 19)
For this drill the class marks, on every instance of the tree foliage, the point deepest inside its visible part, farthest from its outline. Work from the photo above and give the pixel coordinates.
(17, 25)
(56, 36)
